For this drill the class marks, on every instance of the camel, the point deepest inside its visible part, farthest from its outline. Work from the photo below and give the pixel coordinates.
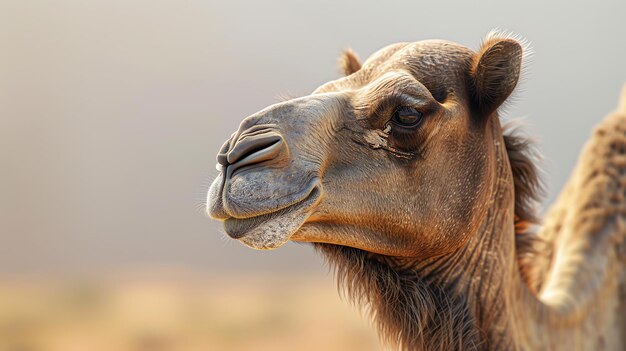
(401, 174)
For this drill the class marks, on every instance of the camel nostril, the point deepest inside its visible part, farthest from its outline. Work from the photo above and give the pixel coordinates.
(221, 156)
(249, 145)
(252, 148)
(222, 160)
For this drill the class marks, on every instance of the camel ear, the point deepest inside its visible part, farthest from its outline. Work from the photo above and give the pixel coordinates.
(495, 72)
(349, 62)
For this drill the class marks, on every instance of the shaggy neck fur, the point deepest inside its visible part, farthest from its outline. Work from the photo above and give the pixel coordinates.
(463, 300)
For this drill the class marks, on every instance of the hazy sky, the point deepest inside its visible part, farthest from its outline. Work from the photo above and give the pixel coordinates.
(111, 112)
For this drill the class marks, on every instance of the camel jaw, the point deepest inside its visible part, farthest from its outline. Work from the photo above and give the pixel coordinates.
(271, 229)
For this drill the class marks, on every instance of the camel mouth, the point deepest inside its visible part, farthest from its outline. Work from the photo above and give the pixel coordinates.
(272, 230)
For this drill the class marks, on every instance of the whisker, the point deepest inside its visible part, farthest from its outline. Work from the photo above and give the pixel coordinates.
(286, 96)
(225, 239)
(200, 199)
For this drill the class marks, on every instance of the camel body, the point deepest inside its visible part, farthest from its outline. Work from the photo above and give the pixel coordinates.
(580, 275)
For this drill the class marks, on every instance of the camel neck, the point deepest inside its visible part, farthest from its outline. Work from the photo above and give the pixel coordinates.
(468, 299)
(462, 301)
(484, 273)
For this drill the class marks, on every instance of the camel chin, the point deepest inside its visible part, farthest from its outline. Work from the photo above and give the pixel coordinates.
(269, 229)
(265, 233)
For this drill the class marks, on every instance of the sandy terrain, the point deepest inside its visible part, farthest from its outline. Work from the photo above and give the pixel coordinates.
(156, 313)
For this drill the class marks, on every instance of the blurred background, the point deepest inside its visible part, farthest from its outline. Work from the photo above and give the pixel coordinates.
(111, 113)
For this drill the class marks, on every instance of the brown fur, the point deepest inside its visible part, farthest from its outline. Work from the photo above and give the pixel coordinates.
(529, 190)
(398, 296)
(349, 62)
(410, 313)
(494, 67)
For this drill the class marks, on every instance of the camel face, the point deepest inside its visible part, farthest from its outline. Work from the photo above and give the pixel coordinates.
(395, 158)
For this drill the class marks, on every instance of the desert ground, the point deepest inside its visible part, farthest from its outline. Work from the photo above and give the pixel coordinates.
(158, 313)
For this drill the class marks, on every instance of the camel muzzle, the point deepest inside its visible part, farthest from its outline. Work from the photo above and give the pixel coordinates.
(270, 170)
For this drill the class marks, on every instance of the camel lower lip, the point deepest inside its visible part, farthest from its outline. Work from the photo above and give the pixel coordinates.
(261, 227)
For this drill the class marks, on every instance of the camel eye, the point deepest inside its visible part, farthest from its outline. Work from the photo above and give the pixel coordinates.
(407, 117)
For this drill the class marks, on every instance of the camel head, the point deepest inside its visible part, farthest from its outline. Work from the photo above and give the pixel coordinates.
(396, 158)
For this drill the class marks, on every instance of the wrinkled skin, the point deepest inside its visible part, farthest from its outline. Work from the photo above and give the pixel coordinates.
(336, 167)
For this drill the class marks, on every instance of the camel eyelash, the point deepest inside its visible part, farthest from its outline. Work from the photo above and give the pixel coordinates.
(408, 139)
(386, 107)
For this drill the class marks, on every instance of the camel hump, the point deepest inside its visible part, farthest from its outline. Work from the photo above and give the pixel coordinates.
(622, 102)
(588, 219)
